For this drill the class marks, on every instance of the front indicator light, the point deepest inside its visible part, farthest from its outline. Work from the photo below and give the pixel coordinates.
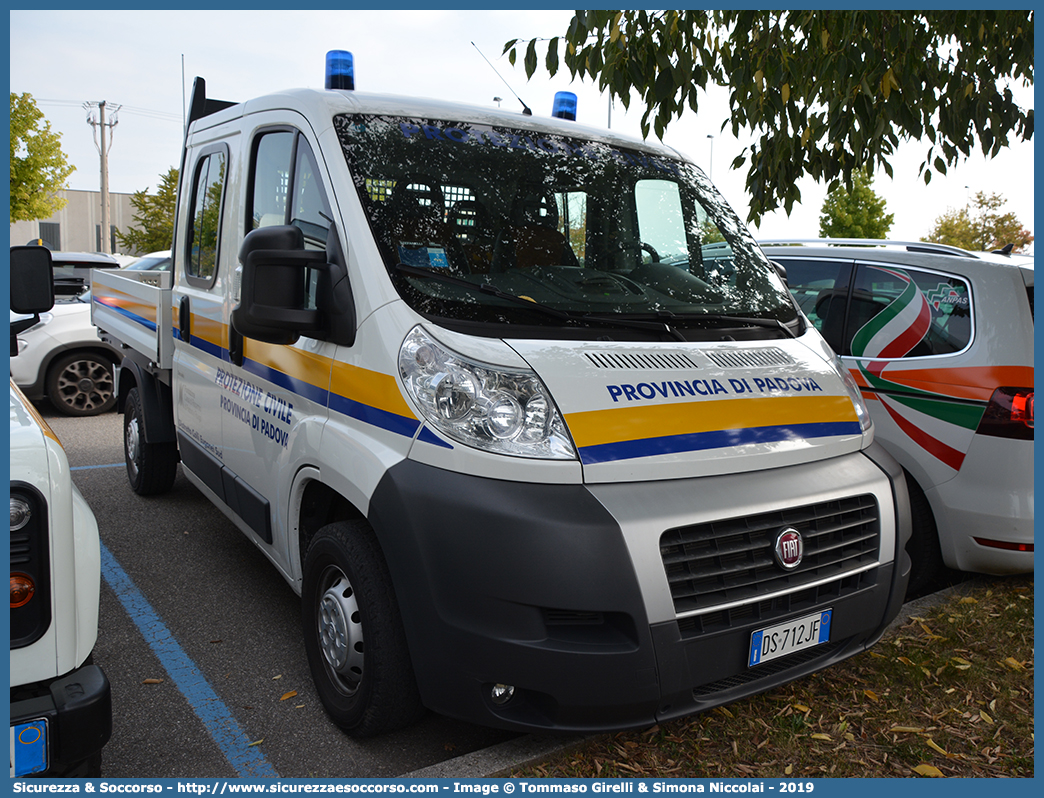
(22, 589)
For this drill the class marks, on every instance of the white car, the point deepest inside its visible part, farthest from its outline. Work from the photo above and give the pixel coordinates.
(940, 341)
(61, 358)
(61, 703)
(153, 261)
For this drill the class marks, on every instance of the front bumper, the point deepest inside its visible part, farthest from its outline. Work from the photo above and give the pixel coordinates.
(78, 710)
(561, 592)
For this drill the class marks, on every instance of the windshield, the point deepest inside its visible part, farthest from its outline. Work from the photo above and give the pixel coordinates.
(484, 224)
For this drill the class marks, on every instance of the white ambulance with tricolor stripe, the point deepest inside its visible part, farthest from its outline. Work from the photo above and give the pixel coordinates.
(940, 341)
(516, 405)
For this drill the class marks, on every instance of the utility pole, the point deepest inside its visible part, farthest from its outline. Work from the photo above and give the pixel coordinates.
(98, 125)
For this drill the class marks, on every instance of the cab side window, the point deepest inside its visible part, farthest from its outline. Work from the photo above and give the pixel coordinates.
(286, 188)
(207, 189)
(271, 178)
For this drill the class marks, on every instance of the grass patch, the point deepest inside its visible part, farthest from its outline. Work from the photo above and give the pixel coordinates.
(949, 692)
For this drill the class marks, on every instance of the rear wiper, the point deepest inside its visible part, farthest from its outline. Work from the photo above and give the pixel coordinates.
(562, 315)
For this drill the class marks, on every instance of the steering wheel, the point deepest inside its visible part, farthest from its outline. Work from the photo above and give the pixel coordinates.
(640, 245)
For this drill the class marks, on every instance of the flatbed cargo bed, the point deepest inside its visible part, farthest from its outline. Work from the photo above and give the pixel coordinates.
(133, 309)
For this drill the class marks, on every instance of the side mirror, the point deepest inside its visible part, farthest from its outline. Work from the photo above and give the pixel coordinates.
(272, 293)
(32, 280)
(781, 270)
(32, 288)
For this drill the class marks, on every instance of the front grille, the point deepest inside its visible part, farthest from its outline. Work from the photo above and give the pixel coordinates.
(21, 550)
(767, 670)
(773, 610)
(731, 561)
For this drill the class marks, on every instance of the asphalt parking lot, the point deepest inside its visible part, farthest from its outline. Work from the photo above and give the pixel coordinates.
(201, 640)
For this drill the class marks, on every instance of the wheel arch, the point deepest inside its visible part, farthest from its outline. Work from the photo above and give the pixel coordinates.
(314, 505)
(85, 348)
(156, 398)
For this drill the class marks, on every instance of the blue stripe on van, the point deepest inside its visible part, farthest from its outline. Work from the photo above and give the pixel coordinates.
(312, 393)
(134, 317)
(717, 439)
(375, 416)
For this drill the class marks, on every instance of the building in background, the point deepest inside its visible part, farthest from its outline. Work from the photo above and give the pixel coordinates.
(77, 226)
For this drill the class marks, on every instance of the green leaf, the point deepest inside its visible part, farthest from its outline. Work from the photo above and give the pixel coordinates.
(552, 57)
(531, 58)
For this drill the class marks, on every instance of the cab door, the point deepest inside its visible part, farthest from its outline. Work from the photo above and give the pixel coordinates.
(276, 400)
(200, 330)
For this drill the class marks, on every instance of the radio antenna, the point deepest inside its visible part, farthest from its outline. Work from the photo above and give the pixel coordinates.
(525, 108)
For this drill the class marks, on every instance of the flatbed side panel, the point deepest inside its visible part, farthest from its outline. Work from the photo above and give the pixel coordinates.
(129, 307)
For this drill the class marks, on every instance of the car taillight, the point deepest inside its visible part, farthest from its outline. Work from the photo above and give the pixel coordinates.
(1009, 414)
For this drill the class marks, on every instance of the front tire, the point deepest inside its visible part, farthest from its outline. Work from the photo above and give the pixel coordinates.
(353, 633)
(151, 467)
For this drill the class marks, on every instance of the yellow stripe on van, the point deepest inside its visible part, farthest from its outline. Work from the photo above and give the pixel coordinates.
(372, 388)
(597, 427)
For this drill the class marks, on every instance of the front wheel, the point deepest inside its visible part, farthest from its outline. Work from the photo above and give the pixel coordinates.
(353, 633)
(151, 467)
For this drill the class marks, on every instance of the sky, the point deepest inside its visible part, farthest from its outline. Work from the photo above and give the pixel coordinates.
(145, 61)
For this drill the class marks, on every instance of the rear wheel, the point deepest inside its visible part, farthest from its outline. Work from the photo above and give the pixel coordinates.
(81, 384)
(923, 546)
(151, 467)
(353, 633)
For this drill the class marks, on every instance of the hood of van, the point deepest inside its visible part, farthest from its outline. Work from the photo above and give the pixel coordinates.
(655, 412)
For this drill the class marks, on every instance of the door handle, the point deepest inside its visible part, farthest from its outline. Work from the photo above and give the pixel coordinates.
(184, 319)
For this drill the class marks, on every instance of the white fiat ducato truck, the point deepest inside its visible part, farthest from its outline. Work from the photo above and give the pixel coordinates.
(517, 406)
(61, 708)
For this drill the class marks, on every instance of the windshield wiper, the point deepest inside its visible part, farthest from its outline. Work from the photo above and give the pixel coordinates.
(772, 324)
(482, 288)
(562, 315)
(725, 319)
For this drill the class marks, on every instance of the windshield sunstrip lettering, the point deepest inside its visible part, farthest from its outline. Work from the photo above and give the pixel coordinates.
(517, 140)
(677, 389)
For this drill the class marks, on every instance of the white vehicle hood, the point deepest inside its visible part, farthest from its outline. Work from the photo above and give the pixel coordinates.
(28, 449)
(695, 409)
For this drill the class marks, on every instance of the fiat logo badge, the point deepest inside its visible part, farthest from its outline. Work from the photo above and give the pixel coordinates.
(790, 548)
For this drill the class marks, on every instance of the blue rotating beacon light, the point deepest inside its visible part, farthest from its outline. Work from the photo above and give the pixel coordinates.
(340, 70)
(564, 106)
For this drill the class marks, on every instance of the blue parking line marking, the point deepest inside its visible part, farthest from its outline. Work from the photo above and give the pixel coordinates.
(87, 468)
(247, 760)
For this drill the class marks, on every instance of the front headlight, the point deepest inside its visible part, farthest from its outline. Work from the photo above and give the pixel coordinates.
(501, 410)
